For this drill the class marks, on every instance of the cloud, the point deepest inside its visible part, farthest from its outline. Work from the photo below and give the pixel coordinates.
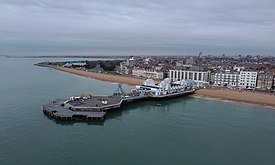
(137, 26)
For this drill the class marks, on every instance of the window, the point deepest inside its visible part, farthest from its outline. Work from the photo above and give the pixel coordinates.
(190, 75)
(172, 74)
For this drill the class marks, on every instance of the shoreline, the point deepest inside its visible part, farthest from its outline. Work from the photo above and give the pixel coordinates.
(132, 81)
(231, 101)
(258, 99)
(249, 98)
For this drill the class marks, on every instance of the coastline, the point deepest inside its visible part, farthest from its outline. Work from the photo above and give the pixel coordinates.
(102, 76)
(258, 99)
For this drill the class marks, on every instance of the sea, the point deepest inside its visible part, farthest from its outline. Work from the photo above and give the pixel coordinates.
(177, 131)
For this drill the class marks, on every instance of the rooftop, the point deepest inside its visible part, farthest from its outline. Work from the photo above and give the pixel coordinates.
(191, 68)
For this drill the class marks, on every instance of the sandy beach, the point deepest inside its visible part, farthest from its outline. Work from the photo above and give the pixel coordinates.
(214, 93)
(103, 76)
(236, 96)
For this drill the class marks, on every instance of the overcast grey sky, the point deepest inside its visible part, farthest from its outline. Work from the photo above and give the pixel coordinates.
(135, 27)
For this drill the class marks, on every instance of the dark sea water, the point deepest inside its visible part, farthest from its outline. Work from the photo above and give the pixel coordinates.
(180, 131)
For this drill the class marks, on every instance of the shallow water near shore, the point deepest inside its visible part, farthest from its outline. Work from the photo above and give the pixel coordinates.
(233, 102)
(176, 131)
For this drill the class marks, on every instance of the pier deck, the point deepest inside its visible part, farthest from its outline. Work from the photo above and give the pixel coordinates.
(95, 108)
(59, 112)
(95, 103)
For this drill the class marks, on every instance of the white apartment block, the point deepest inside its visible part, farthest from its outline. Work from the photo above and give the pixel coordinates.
(189, 74)
(148, 73)
(226, 78)
(248, 79)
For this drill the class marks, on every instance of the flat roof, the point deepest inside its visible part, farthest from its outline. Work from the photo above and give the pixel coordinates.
(96, 101)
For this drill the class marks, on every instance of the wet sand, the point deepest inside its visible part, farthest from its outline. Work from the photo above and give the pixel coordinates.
(236, 96)
(102, 76)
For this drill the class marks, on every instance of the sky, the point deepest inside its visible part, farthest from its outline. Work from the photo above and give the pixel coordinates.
(137, 27)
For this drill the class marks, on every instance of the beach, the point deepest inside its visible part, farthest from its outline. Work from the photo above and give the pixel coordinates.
(214, 93)
(102, 76)
(236, 96)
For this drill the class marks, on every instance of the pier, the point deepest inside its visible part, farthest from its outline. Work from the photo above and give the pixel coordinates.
(96, 107)
(88, 107)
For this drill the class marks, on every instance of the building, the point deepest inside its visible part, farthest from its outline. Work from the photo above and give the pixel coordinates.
(148, 73)
(180, 63)
(124, 68)
(190, 73)
(238, 68)
(131, 61)
(138, 72)
(166, 88)
(76, 64)
(248, 79)
(265, 81)
(226, 78)
(98, 69)
(190, 61)
(212, 78)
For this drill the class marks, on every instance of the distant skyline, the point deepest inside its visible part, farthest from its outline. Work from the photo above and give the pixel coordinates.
(137, 27)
